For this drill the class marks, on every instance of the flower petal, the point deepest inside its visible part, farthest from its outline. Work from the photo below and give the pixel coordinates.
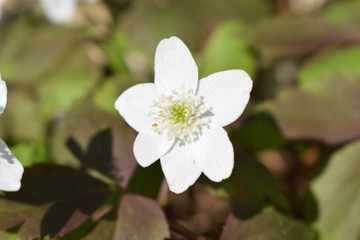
(58, 11)
(3, 95)
(175, 68)
(11, 170)
(149, 146)
(134, 105)
(214, 153)
(180, 169)
(226, 93)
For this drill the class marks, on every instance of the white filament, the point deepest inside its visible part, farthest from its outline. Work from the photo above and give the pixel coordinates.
(180, 116)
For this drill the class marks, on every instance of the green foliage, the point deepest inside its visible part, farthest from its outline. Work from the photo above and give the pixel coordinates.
(115, 50)
(9, 236)
(258, 134)
(81, 179)
(226, 49)
(67, 84)
(344, 13)
(338, 189)
(331, 62)
(109, 91)
(22, 110)
(263, 189)
(30, 153)
(146, 188)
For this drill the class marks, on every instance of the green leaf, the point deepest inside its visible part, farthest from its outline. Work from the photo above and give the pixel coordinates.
(140, 182)
(115, 49)
(344, 13)
(330, 62)
(49, 203)
(22, 110)
(9, 236)
(338, 193)
(258, 134)
(226, 49)
(257, 180)
(268, 225)
(30, 153)
(328, 113)
(107, 93)
(65, 85)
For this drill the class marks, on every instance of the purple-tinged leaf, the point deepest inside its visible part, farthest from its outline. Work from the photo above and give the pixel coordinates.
(268, 225)
(53, 201)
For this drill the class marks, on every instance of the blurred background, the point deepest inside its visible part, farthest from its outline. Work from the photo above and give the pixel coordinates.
(297, 146)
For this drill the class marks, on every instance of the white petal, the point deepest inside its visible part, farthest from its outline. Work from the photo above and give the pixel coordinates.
(226, 93)
(59, 11)
(214, 153)
(149, 146)
(11, 170)
(134, 105)
(175, 68)
(3, 95)
(180, 169)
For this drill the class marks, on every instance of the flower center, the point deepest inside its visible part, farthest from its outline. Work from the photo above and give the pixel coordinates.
(180, 112)
(181, 116)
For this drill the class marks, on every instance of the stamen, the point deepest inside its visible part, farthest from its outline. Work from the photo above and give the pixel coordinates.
(181, 116)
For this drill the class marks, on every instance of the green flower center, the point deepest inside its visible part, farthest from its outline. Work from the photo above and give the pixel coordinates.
(180, 112)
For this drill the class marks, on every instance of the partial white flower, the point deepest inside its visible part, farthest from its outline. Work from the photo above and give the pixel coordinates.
(1, 3)
(180, 119)
(60, 11)
(11, 170)
(306, 6)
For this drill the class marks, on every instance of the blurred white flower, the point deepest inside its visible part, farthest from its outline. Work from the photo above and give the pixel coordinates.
(60, 11)
(180, 119)
(11, 169)
(306, 6)
(1, 3)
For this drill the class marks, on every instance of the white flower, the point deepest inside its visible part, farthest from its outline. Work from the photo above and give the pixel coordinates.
(60, 11)
(306, 6)
(11, 169)
(180, 119)
(1, 3)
